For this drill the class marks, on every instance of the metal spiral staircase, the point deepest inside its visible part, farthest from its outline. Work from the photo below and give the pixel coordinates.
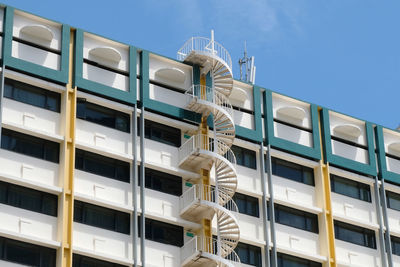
(204, 151)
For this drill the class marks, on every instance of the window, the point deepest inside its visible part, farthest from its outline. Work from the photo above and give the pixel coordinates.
(32, 95)
(26, 254)
(292, 171)
(162, 133)
(296, 218)
(350, 188)
(30, 146)
(395, 245)
(249, 254)
(292, 261)
(246, 204)
(101, 217)
(84, 261)
(163, 182)
(393, 200)
(29, 199)
(101, 165)
(245, 157)
(102, 115)
(355, 234)
(162, 232)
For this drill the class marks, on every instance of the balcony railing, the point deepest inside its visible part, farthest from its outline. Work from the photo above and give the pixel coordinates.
(205, 45)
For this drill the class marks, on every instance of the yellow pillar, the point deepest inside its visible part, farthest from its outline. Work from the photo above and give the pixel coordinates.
(68, 164)
(323, 170)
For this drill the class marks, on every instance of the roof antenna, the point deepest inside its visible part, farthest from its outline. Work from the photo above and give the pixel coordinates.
(248, 64)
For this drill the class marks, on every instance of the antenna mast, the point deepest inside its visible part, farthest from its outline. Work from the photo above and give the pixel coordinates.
(248, 64)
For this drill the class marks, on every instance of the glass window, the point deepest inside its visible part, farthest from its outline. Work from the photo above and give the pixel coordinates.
(26, 253)
(296, 218)
(249, 254)
(101, 165)
(163, 232)
(162, 133)
(292, 261)
(32, 95)
(102, 115)
(395, 245)
(84, 261)
(355, 234)
(101, 217)
(163, 182)
(350, 188)
(245, 157)
(29, 199)
(30, 146)
(246, 204)
(393, 200)
(292, 171)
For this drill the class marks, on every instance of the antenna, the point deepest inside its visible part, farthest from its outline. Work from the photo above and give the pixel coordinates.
(248, 64)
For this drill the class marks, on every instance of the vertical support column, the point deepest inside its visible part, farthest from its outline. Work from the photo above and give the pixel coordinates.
(380, 221)
(142, 183)
(67, 196)
(134, 188)
(264, 207)
(274, 256)
(325, 187)
(386, 221)
(1, 97)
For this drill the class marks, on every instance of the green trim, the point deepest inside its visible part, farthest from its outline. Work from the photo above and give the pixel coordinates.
(157, 105)
(29, 67)
(313, 152)
(383, 171)
(98, 88)
(369, 169)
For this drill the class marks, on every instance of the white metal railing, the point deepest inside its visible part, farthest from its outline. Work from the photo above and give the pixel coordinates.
(205, 142)
(211, 95)
(208, 245)
(205, 45)
(207, 193)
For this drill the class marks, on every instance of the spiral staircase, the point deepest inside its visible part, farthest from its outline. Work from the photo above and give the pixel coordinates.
(205, 151)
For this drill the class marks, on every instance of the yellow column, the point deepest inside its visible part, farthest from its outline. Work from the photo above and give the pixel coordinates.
(325, 186)
(69, 164)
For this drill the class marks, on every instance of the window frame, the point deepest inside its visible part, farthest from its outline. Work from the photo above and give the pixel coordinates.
(77, 261)
(294, 166)
(245, 157)
(361, 187)
(311, 226)
(170, 180)
(392, 195)
(249, 249)
(149, 233)
(151, 126)
(283, 258)
(248, 200)
(357, 229)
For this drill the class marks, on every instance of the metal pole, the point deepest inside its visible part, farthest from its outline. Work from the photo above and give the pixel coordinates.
(264, 206)
(274, 262)
(134, 187)
(380, 221)
(386, 220)
(1, 98)
(142, 181)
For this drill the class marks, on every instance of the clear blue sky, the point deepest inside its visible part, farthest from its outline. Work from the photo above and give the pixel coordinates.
(340, 54)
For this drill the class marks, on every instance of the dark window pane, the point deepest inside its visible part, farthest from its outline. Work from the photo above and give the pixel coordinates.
(30, 145)
(247, 204)
(101, 217)
(292, 261)
(249, 254)
(354, 234)
(32, 95)
(350, 188)
(393, 200)
(162, 133)
(395, 241)
(163, 182)
(245, 157)
(164, 232)
(292, 171)
(296, 218)
(84, 261)
(101, 165)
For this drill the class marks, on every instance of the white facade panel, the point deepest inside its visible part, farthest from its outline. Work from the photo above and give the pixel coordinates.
(293, 134)
(251, 228)
(36, 55)
(29, 223)
(168, 96)
(102, 241)
(393, 165)
(249, 180)
(103, 137)
(354, 255)
(394, 220)
(106, 77)
(162, 255)
(243, 119)
(32, 117)
(30, 168)
(162, 204)
(161, 154)
(350, 152)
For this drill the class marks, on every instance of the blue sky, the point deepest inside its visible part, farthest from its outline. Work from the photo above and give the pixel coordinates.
(341, 54)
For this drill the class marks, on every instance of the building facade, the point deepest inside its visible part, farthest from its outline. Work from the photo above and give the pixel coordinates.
(112, 155)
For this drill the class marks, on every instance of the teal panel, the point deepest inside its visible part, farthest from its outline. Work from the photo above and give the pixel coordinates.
(158, 106)
(384, 173)
(369, 169)
(60, 76)
(98, 88)
(313, 152)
